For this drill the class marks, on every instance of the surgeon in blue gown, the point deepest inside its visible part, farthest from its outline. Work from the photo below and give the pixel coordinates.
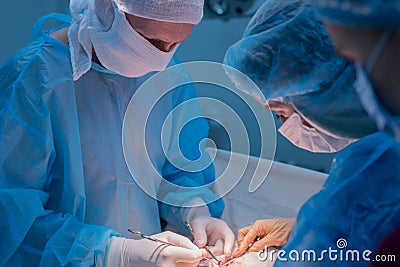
(371, 39)
(287, 52)
(67, 197)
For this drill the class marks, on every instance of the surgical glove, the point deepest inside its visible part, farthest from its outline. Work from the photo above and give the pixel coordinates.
(211, 231)
(273, 232)
(129, 252)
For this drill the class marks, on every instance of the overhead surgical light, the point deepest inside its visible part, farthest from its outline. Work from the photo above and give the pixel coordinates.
(218, 7)
(227, 9)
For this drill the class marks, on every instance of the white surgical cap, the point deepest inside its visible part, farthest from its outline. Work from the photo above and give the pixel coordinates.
(179, 11)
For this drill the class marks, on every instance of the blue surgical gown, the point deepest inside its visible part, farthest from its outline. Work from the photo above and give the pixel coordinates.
(65, 188)
(358, 205)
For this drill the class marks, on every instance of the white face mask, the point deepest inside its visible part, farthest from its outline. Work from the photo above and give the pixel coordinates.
(310, 138)
(123, 50)
(365, 89)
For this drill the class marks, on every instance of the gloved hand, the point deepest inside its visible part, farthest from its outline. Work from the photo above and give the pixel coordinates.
(124, 252)
(273, 232)
(213, 232)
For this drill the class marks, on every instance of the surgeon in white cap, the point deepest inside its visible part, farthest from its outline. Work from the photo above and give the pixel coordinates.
(67, 197)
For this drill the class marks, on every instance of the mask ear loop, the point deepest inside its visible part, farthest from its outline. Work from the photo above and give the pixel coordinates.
(378, 50)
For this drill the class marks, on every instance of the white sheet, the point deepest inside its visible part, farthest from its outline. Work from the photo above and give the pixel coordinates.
(281, 195)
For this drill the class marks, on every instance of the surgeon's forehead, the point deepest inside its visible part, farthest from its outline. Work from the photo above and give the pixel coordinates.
(353, 42)
(161, 30)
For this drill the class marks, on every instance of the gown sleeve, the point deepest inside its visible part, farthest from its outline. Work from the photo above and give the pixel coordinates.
(195, 181)
(357, 206)
(31, 232)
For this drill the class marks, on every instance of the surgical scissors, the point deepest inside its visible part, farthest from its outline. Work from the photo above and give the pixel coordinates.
(205, 247)
(160, 241)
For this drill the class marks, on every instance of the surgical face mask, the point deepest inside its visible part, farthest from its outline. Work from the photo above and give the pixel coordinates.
(366, 92)
(124, 51)
(310, 138)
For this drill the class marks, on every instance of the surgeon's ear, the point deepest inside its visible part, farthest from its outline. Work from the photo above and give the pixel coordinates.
(105, 13)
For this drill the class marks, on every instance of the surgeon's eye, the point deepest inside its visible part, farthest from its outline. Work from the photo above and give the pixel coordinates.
(161, 45)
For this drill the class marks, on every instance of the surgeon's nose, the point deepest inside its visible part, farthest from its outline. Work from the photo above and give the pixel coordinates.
(167, 47)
